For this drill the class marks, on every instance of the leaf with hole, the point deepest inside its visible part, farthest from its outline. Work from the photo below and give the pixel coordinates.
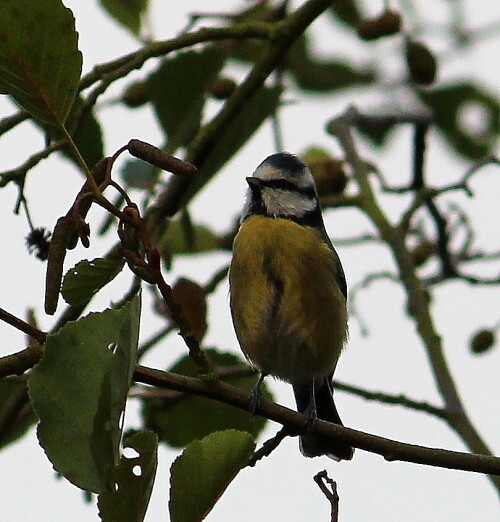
(79, 390)
(448, 103)
(133, 481)
(39, 57)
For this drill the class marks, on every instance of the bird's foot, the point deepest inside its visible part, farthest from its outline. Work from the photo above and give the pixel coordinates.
(256, 395)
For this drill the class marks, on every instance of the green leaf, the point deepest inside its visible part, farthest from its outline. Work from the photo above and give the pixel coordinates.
(310, 73)
(39, 59)
(126, 12)
(178, 90)
(133, 479)
(175, 240)
(86, 278)
(235, 135)
(182, 420)
(323, 75)
(447, 103)
(203, 472)
(346, 11)
(79, 390)
(138, 174)
(13, 395)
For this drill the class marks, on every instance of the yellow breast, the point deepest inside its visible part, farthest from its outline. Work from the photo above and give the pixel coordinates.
(288, 311)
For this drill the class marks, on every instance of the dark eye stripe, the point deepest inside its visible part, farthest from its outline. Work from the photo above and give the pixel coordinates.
(284, 184)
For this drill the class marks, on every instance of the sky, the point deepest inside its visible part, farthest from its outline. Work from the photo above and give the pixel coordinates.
(389, 359)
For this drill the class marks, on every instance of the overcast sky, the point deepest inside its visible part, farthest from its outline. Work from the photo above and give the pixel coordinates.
(390, 359)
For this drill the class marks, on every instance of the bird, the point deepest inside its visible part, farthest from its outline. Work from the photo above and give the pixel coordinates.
(288, 293)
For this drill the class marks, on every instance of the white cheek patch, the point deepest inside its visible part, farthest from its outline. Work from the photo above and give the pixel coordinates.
(280, 202)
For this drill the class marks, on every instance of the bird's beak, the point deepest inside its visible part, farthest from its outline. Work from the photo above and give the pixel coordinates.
(254, 183)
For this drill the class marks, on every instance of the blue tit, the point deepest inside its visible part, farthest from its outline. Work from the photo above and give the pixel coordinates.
(288, 292)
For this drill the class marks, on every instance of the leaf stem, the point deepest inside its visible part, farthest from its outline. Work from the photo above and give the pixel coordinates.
(82, 164)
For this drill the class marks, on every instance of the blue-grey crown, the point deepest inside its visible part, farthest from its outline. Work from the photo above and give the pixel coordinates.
(285, 161)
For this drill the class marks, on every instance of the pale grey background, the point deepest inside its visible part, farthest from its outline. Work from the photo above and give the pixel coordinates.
(390, 359)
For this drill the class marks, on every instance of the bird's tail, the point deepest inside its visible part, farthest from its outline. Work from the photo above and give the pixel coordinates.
(311, 444)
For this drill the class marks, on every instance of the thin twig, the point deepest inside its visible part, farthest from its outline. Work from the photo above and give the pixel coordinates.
(387, 398)
(330, 494)
(21, 325)
(268, 447)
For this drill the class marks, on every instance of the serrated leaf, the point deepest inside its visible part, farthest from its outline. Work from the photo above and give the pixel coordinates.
(40, 62)
(180, 421)
(178, 90)
(126, 12)
(79, 390)
(86, 278)
(203, 472)
(133, 479)
(447, 103)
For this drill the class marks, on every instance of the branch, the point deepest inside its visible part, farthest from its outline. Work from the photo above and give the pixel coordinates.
(18, 363)
(106, 74)
(294, 421)
(284, 34)
(118, 68)
(391, 450)
(23, 326)
(353, 295)
(170, 397)
(359, 240)
(18, 173)
(268, 447)
(122, 66)
(9, 122)
(419, 309)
